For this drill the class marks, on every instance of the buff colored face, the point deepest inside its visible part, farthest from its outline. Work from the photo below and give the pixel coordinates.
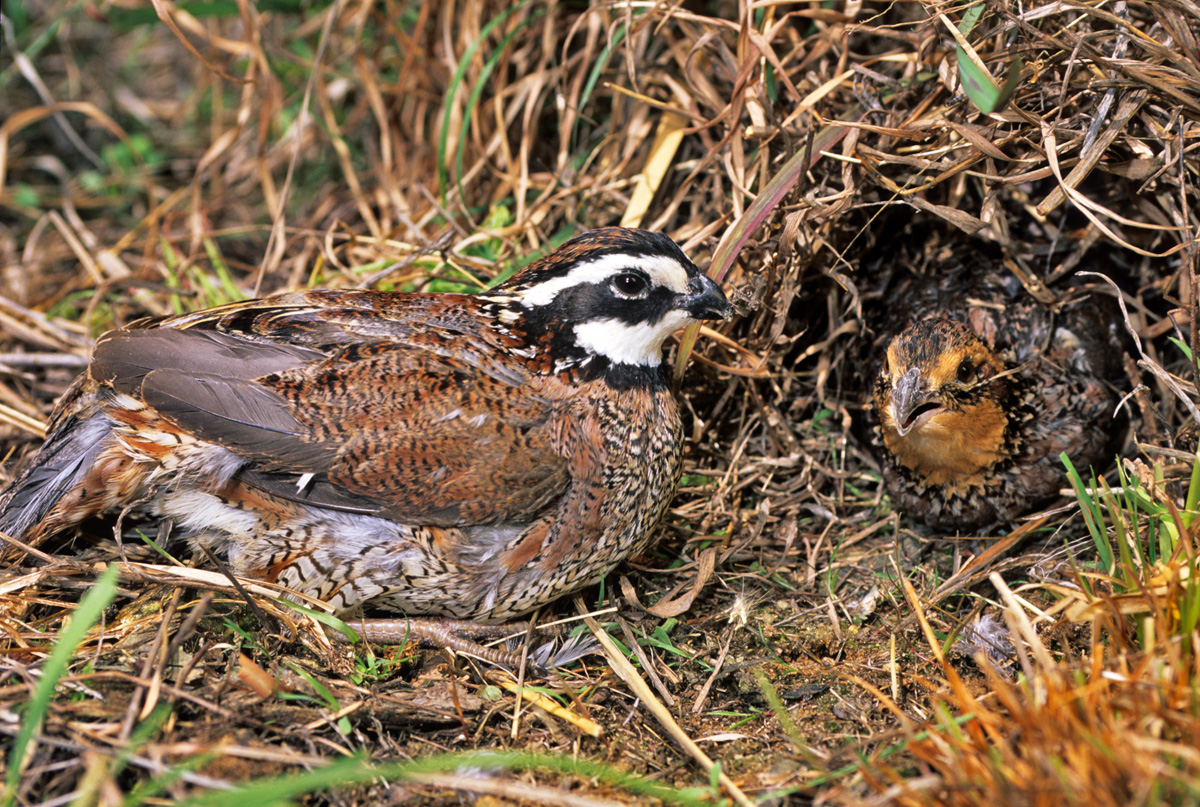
(940, 403)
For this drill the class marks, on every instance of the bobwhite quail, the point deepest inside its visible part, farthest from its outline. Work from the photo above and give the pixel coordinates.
(981, 390)
(470, 456)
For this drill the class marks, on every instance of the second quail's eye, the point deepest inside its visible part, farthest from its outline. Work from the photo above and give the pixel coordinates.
(629, 284)
(965, 371)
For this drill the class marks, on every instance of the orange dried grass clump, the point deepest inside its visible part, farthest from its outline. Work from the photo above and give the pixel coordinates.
(1125, 737)
(1119, 727)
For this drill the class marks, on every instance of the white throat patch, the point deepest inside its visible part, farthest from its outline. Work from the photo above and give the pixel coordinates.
(661, 270)
(623, 343)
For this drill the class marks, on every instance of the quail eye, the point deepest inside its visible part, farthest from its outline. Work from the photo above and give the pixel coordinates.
(965, 371)
(629, 284)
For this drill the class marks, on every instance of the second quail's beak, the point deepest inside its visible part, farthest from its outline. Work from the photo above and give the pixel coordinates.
(911, 399)
(704, 300)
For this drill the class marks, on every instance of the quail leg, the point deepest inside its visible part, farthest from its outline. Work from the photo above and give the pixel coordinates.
(447, 633)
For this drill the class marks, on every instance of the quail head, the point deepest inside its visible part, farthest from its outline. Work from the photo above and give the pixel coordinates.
(979, 392)
(471, 456)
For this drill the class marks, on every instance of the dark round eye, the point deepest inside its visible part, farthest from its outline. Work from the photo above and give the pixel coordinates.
(629, 284)
(965, 371)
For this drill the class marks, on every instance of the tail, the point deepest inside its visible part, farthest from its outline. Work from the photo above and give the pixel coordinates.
(68, 454)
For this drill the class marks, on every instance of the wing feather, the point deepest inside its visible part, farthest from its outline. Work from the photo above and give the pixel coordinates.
(123, 358)
(252, 420)
(349, 401)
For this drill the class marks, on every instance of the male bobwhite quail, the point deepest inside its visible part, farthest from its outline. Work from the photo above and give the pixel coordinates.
(471, 456)
(981, 388)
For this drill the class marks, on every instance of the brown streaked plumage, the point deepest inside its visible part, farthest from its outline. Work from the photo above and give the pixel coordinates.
(472, 456)
(982, 389)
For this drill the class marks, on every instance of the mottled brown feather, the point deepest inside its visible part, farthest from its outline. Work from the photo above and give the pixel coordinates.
(986, 450)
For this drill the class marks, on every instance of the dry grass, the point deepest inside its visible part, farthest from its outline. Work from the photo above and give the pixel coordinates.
(157, 163)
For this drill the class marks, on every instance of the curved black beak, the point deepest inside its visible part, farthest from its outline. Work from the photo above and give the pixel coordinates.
(704, 300)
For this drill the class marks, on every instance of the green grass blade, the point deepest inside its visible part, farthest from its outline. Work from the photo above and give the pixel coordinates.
(460, 73)
(87, 613)
(1120, 519)
(978, 84)
(1189, 609)
(786, 722)
(356, 770)
(1133, 508)
(328, 620)
(478, 90)
(1183, 346)
(1193, 495)
(1092, 515)
(971, 18)
(593, 78)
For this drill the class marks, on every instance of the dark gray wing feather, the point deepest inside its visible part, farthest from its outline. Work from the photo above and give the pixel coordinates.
(242, 415)
(316, 490)
(123, 358)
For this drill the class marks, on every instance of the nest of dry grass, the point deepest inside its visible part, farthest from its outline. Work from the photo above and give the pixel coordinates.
(164, 159)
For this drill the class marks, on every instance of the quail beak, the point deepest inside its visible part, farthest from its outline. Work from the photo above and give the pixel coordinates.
(913, 403)
(704, 300)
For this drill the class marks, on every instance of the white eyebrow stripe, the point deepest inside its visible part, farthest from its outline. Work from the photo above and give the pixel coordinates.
(661, 269)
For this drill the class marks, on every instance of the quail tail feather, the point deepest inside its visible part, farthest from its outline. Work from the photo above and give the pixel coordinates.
(69, 453)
